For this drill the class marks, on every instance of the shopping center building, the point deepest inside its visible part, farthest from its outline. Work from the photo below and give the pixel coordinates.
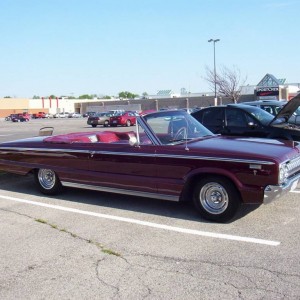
(269, 88)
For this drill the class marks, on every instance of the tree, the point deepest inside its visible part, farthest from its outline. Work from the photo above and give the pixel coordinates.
(86, 97)
(228, 82)
(145, 95)
(127, 95)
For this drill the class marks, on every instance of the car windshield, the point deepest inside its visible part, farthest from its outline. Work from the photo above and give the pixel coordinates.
(175, 126)
(263, 116)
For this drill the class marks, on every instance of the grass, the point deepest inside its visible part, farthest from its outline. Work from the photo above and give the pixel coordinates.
(98, 245)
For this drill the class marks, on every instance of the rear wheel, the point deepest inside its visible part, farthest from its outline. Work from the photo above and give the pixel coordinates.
(216, 199)
(48, 181)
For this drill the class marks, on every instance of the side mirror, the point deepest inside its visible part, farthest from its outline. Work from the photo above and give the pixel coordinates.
(252, 125)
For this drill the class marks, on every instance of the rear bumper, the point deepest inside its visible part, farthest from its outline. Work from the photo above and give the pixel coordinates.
(273, 192)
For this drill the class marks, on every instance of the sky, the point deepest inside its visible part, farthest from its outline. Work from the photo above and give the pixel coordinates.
(103, 47)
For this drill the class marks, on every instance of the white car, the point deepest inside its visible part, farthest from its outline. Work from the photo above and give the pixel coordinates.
(75, 115)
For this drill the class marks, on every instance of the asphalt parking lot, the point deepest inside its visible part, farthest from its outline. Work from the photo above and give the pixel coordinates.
(93, 245)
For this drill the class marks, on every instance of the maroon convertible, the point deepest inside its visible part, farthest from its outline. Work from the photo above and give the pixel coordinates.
(169, 156)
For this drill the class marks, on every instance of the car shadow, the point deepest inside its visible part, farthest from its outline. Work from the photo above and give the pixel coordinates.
(170, 209)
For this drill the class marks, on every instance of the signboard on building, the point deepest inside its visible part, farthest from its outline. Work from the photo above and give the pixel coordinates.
(267, 93)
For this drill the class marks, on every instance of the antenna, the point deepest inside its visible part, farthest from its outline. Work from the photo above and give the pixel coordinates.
(186, 135)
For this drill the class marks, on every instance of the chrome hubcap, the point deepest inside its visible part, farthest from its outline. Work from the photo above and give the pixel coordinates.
(213, 198)
(46, 178)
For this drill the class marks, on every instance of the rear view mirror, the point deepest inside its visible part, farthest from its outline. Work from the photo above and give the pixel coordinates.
(133, 141)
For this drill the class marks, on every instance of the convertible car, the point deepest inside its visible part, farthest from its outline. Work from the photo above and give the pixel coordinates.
(168, 156)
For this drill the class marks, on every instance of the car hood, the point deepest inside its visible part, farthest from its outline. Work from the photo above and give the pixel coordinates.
(245, 148)
(287, 110)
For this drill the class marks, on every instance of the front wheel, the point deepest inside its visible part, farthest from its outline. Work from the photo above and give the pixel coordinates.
(216, 199)
(48, 181)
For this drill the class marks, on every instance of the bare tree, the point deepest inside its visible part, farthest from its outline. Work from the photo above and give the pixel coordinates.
(227, 81)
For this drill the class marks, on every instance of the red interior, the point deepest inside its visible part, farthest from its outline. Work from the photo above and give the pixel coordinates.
(90, 137)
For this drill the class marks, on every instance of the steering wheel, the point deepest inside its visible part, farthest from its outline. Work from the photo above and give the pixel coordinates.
(180, 134)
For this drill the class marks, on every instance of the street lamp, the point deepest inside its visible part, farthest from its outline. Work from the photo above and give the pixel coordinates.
(215, 73)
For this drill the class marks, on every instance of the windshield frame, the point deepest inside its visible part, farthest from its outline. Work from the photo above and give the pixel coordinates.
(194, 129)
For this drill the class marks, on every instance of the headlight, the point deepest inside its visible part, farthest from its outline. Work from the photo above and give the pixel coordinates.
(283, 173)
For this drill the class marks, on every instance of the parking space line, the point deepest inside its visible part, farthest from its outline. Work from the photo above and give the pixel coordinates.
(148, 224)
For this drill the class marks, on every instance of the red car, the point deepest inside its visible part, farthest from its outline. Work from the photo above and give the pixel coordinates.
(127, 118)
(168, 156)
(39, 115)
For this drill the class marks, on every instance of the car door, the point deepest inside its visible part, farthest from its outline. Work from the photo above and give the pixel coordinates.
(240, 123)
(121, 166)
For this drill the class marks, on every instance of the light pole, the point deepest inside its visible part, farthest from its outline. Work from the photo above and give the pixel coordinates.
(215, 73)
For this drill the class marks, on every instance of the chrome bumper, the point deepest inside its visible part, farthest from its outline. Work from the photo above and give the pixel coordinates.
(273, 192)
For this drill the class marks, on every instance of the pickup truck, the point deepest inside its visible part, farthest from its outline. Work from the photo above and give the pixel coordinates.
(39, 115)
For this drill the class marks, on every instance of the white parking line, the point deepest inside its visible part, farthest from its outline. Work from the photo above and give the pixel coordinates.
(149, 224)
(298, 192)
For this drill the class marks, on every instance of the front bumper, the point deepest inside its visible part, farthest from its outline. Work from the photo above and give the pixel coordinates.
(273, 192)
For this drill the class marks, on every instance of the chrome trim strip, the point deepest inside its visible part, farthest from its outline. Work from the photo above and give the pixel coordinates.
(120, 191)
(224, 159)
(44, 150)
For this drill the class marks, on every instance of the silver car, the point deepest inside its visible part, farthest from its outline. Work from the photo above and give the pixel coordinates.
(101, 118)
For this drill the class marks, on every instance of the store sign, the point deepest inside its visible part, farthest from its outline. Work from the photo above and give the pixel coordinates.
(267, 93)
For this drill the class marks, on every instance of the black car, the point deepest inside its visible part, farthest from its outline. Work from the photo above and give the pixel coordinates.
(246, 120)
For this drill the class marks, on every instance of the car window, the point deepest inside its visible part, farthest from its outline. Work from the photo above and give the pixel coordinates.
(272, 109)
(212, 117)
(235, 118)
(264, 117)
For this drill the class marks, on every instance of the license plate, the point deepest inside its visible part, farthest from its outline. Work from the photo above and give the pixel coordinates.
(114, 121)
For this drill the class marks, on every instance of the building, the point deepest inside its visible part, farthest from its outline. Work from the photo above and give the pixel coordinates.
(272, 88)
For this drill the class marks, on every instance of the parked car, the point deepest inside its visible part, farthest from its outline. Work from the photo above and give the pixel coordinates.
(74, 115)
(274, 106)
(61, 115)
(88, 114)
(168, 156)
(20, 117)
(39, 115)
(246, 120)
(127, 118)
(101, 118)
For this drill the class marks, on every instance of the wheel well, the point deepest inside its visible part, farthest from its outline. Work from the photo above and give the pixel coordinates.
(190, 184)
